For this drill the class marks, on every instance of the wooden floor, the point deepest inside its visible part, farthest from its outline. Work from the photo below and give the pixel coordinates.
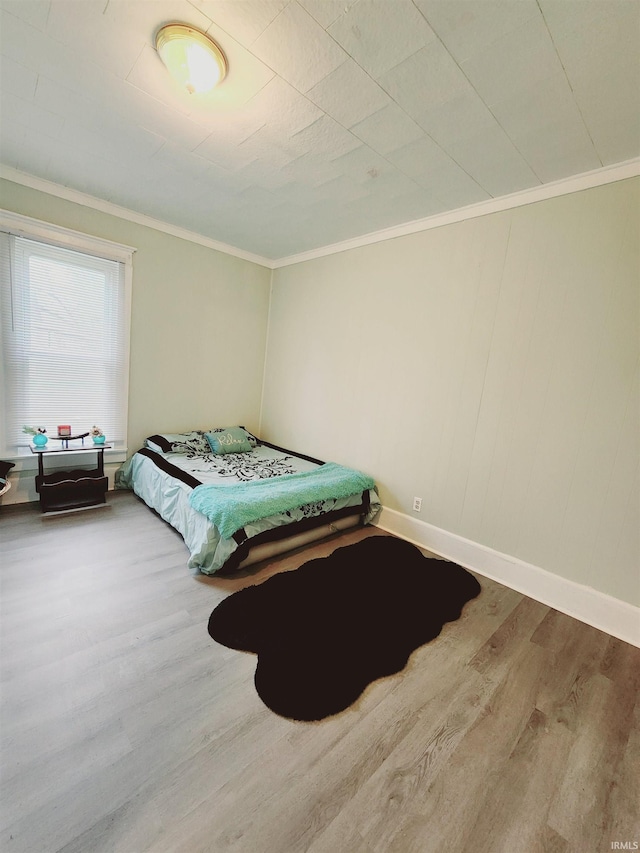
(125, 728)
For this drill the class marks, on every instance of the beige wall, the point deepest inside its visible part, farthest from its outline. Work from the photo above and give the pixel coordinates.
(489, 367)
(198, 324)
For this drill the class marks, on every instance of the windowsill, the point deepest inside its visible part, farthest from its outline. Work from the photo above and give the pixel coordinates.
(25, 460)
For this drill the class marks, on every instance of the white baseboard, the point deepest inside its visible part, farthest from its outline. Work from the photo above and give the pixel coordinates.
(602, 611)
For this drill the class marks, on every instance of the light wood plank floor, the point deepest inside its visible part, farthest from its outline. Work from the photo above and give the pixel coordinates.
(125, 728)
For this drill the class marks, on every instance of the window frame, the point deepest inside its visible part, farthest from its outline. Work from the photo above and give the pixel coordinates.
(17, 224)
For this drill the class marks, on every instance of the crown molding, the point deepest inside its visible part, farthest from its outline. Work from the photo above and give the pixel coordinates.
(565, 186)
(77, 197)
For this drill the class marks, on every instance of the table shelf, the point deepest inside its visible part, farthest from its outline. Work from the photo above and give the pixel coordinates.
(77, 489)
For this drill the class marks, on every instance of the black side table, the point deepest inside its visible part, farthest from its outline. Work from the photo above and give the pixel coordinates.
(62, 490)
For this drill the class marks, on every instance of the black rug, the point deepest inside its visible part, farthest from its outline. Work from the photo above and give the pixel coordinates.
(325, 631)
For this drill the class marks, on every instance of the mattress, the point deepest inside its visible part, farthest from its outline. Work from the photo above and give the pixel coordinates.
(164, 475)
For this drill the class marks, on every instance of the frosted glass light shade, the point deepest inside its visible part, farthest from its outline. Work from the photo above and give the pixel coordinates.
(193, 59)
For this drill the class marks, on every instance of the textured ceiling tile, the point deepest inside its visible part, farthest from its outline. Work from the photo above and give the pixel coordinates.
(30, 115)
(298, 49)
(30, 156)
(174, 160)
(79, 111)
(87, 171)
(20, 41)
(224, 153)
(263, 147)
(111, 143)
(341, 189)
(17, 79)
(282, 113)
(244, 20)
(295, 195)
(284, 109)
(263, 175)
(161, 193)
(388, 129)
(253, 197)
(413, 206)
(593, 38)
(234, 126)
(428, 77)
(565, 18)
(34, 12)
(379, 34)
(310, 170)
(390, 184)
(528, 53)
(365, 166)
(546, 102)
(133, 105)
(122, 186)
(348, 94)
(456, 189)
(93, 37)
(12, 145)
(464, 115)
(609, 106)
(204, 205)
(326, 11)
(318, 226)
(52, 96)
(34, 51)
(467, 27)
(325, 137)
(433, 169)
(616, 144)
(242, 127)
(376, 213)
(491, 159)
(421, 159)
(360, 159)
(562, 145)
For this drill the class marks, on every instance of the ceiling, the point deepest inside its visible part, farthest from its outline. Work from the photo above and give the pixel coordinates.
(337, 118)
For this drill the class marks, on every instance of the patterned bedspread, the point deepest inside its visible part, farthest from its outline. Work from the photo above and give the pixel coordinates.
(261, 463)
(166, 480)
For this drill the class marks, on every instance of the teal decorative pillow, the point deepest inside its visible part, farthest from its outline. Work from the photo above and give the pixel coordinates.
(229, 440)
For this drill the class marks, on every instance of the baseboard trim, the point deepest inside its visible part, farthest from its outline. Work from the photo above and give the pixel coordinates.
(595, 608)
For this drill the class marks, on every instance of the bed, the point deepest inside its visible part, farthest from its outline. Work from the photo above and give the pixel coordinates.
(231, 495)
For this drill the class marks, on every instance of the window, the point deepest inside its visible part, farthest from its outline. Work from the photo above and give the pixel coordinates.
(65, 331)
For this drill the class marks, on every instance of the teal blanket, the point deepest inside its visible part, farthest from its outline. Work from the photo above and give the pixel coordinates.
(231, 507)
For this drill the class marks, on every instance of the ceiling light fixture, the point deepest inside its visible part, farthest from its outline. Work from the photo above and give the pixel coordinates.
(193, 59)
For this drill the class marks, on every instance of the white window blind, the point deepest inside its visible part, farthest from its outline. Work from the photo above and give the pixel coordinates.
(64, 339)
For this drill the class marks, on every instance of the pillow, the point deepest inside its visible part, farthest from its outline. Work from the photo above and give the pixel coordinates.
(229, 440)
(192, 443)
(251, 438)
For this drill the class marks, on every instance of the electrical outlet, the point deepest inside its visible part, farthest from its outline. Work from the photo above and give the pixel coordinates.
(417, 504)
